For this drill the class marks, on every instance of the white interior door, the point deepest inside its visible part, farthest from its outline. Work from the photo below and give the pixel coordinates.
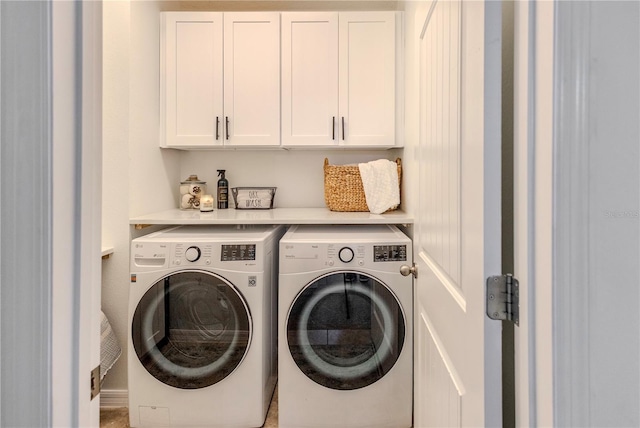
(76, 207)
(457, 235)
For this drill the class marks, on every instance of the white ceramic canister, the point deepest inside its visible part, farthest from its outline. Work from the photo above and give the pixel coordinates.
(190, 192)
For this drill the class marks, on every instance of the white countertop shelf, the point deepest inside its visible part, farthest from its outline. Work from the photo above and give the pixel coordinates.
(106, 252)
(272, 216)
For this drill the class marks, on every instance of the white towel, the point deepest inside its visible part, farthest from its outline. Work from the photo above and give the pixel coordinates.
(380, 183)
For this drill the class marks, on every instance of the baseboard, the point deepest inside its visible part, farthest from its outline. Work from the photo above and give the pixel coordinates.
(114, 398)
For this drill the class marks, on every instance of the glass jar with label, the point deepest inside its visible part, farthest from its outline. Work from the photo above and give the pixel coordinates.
(191, 190)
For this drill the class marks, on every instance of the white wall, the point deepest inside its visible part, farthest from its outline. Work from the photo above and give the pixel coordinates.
(141, 178)
(297, 174)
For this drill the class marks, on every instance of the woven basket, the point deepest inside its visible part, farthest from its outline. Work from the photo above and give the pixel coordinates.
(343, 189)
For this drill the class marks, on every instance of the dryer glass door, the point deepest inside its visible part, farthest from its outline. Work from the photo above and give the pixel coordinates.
(345, 330)
(191, 329)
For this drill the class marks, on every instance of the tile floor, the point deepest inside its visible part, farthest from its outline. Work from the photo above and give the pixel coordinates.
(119, 417)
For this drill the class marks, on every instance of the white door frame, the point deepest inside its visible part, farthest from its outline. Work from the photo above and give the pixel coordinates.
(533, 197)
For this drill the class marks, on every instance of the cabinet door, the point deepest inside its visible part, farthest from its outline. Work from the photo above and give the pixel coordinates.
(191, 79)
(252, 78)
(309, 79)
(367, 78)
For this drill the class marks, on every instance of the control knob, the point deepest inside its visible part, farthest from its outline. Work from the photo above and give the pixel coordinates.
(345, 254)
(192, 254)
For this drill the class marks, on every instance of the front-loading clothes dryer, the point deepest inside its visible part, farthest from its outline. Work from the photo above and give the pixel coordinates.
(345, 327)
(202, 316)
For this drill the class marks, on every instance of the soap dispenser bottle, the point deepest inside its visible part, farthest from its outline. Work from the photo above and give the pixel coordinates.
(223, 191)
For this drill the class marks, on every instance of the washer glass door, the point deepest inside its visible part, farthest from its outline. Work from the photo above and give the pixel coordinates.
(345, 330)
(191, 329)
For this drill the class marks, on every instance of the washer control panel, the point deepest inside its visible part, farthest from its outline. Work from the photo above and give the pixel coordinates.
(389, 253)
(229, 250)
(191, 254)
(346, 254)
(234, 253)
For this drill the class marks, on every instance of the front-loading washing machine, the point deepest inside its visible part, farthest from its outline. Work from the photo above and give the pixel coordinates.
(345, 325)
(203, 326)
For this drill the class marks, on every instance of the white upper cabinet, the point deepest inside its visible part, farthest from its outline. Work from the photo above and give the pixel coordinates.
(367, 81)
(191, 79)
(252, 78)
(339, 79)
(220, 91)
(309, 79)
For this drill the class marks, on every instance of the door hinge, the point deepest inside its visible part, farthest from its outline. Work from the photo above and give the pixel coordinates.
(95, 382)
(503, 298)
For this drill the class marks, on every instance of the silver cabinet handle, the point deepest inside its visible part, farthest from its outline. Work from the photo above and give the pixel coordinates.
(217, 128)
(342, 128)
(226, 127)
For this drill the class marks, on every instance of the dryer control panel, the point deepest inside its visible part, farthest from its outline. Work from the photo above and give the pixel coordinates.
(389, 253)
(308, 248)
(295, 257)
